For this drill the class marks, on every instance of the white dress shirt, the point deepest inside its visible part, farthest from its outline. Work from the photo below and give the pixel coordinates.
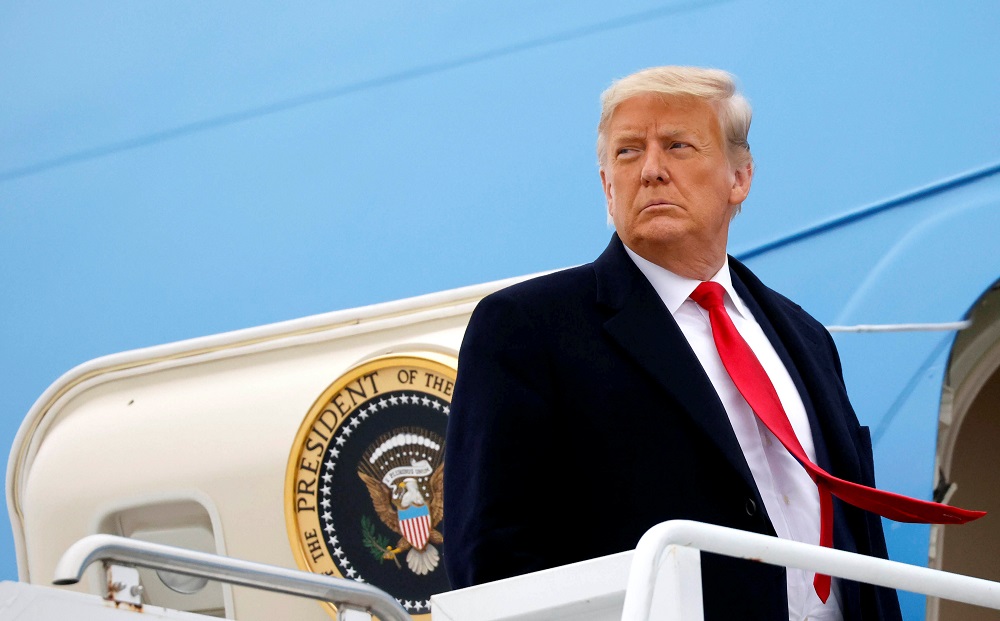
(790, 497)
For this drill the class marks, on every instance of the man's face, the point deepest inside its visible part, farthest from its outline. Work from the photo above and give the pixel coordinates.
(670, 187)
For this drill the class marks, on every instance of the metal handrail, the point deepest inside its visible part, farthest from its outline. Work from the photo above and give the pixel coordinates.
(664, 539)
(337, 591)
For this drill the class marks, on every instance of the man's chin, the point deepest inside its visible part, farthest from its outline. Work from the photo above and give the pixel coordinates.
(661, 231)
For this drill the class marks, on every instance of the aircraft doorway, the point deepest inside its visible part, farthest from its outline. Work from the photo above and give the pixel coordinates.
(968, 458)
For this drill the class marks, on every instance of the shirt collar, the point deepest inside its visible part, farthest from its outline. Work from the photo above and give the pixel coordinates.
(674, 290)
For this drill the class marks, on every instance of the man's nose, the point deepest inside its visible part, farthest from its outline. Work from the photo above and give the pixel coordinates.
(654, 168)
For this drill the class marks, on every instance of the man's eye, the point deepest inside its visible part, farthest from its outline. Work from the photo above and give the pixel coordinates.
(626, 151)
(679, 145)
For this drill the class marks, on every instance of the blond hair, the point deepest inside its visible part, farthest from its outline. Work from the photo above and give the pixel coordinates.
(713, 85)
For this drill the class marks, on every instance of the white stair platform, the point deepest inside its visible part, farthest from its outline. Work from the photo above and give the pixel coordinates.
(591, 590)
(33, 602)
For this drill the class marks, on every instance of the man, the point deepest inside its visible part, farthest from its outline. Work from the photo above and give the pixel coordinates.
(593, 403)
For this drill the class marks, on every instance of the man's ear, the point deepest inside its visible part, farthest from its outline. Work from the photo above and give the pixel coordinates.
(608, 195)
(742, 177)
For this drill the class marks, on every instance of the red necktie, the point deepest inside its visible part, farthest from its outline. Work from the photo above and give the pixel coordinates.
(753, 383)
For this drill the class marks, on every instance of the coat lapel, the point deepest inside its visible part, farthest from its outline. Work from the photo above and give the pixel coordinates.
(644, 328)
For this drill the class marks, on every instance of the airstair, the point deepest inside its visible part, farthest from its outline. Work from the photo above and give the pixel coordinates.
(659, 580)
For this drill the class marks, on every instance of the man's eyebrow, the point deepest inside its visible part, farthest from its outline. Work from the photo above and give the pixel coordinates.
(628, 134)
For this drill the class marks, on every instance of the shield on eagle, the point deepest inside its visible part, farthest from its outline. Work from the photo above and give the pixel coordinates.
(415, 524)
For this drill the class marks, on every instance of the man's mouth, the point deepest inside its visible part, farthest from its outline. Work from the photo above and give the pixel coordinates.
(659, 203)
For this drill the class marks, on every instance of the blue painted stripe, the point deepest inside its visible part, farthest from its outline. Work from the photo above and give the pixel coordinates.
(871, 210)
(414, 512)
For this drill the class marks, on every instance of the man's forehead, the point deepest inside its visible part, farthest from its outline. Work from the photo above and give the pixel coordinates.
(635, 130)
(670, 115)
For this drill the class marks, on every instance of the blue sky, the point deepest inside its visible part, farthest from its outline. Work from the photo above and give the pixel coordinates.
(170, 170)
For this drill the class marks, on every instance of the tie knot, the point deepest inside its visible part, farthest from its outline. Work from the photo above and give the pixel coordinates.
(708, 295)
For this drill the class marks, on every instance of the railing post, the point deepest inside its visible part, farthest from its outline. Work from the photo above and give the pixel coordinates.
(677, 595)
(677, 570)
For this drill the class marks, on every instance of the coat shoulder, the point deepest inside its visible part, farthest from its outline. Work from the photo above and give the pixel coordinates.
(542, 294)
(769, 297)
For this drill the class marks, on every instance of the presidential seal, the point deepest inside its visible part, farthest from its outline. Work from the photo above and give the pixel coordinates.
(364, 493)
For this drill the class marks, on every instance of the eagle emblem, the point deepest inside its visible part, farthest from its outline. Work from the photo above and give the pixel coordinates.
(375, 434)
(404, 473)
